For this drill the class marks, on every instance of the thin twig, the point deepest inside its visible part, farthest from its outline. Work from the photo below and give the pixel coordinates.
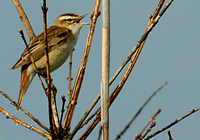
(32, 60)
(24, 19)
(139, 47)
(81, 71)
(100, 133)
(18, 121)
(150, 121)
(24, 111)
(153, 124)
(30, 32)
(170, 136)
(63, 109)
(89, 110)
(80, 123)
(127, 59)
(51, 116)
(139, 111)
(70, 77)
(172, 124)
(27, 47)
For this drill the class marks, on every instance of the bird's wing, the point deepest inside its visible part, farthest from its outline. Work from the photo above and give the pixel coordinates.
(55, 37)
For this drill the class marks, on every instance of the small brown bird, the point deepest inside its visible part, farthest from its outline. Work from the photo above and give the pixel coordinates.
(62, 36)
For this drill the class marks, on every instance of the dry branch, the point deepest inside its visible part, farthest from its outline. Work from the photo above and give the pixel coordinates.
(172, 124)
(62, 110)
(170, 136)
(81, 71)
(123, 65)
(153, 124)
(139, 136)
(138, 47)
(30, 33)
(139, 111)
(24, 111)
(18, 121)
(53, 115)
(69, 78)
(24, 19)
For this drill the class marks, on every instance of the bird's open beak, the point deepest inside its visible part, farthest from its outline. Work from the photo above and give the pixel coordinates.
(79, 19)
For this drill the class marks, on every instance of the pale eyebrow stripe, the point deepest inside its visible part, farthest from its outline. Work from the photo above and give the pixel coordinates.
(64, 17)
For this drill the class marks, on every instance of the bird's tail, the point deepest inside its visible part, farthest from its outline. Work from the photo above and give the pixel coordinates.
(26, 79)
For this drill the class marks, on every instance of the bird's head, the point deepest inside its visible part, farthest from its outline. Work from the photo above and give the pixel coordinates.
(70, 21)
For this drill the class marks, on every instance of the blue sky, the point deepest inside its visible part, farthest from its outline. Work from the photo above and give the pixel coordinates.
(171, 53)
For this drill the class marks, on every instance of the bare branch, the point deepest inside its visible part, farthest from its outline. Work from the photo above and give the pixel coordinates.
(127, 59)
(81, 71)
(138, 112)
(170, 136)
(51, 99)
(89, 110)
(153, 124)
(91, 127)
(138, 48)
(172, 124)
(70, 77)
(150, 121)
(135, 48)
(100, 133)
(24, 111)
(18, 121)
(80, 124)
(24, 19)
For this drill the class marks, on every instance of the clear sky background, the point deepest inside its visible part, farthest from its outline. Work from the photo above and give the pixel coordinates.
(171, 53)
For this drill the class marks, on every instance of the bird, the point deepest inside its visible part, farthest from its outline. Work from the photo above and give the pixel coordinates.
(62, 37)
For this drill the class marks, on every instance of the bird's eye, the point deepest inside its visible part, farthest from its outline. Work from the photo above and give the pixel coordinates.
(69, 19)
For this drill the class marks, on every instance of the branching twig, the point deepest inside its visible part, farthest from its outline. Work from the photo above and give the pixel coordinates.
(150, 121)
(25, 112)
(51, 99)
(125, 61)
(32, 35)
(18, 121)
(171, 124)
(81, 71)
(134, 49)
(138, 112)
(139, 47)
(30, 32)
(153, 124)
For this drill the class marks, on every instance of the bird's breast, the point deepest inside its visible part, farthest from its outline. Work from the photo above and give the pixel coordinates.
(60, 54)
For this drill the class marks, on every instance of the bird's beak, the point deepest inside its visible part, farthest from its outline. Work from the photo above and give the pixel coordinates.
(79, 19)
